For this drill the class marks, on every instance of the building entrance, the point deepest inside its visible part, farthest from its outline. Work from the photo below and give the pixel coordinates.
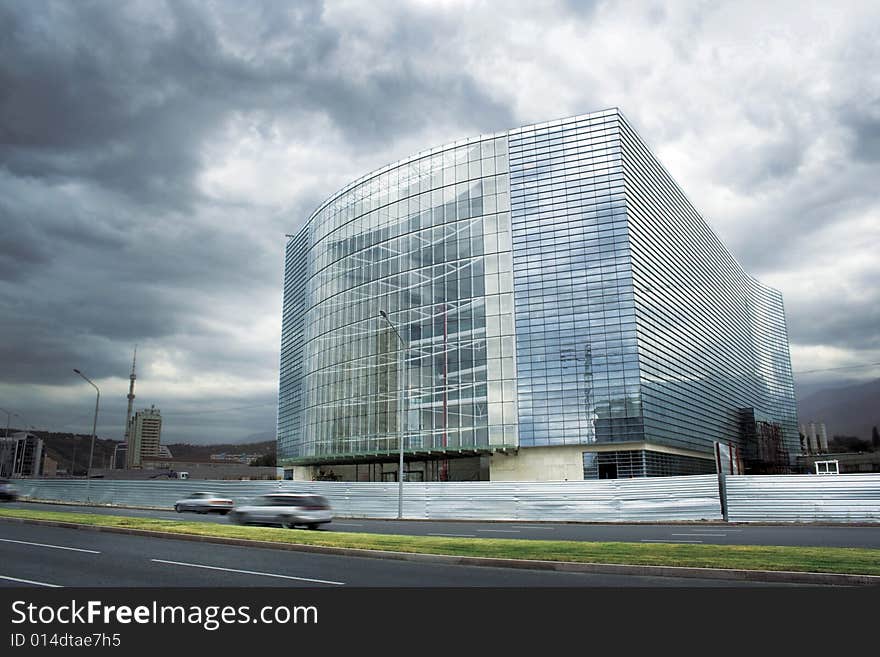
(607, 471)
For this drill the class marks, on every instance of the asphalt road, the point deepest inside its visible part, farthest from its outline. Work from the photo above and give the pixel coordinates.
(34, 555)
(715, 533)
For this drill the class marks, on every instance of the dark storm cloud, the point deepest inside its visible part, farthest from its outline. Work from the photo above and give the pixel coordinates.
(113, 115)
(58, 322)
(107, 113)
(126, 100)
(846, 322)
(35, 222)
(92, 300)
(80, 103)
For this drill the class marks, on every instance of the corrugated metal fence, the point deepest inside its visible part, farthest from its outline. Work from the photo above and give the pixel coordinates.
(804, 498)
(658, 499)
(768, 498)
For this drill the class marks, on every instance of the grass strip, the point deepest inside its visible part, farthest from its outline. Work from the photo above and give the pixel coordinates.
(856, 561)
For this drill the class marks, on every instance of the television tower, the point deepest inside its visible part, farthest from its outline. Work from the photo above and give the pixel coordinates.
(131, 378)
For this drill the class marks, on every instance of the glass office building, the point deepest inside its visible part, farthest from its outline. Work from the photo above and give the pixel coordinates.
(556, 309)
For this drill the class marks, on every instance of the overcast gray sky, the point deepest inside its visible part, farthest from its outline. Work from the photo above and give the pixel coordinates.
(153, 154)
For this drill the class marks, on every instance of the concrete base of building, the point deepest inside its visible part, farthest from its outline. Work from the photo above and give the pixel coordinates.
(610, 461)
(299, 473)
(539, 464)
(556, 463)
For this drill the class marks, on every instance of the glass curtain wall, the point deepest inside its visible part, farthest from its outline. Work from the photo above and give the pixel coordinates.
(553, 286)
(426, 240)
(291, 391)
(712, 340)
(575, 320)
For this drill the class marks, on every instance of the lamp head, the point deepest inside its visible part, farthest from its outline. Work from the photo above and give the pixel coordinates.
(384, 314)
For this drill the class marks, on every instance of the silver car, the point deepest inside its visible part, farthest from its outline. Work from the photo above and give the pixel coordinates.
(285, 509)
(8, 492)
(204, 503)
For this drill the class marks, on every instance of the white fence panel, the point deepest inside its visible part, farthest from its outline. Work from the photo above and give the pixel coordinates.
(656, 499)
(804, 498)
(766, 498)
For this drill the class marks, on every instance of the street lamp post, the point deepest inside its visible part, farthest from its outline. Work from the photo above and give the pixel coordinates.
(94, 429)
(400, 421)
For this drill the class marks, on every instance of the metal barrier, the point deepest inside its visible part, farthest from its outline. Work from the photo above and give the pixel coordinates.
(803, 498)
(613, 500)
(748, 498)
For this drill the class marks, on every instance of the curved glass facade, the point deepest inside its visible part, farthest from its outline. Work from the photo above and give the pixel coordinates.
(427, 241)
(553, 288)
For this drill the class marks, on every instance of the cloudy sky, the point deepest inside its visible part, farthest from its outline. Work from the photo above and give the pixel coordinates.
(153, 155)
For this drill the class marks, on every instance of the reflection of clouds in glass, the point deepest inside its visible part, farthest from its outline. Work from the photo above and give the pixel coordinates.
(592, 304)
(422, 239)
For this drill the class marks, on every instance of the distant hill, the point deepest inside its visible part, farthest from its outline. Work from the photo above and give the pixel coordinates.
(846, 411)
(72, 450)
(69, 449)
(203, 452)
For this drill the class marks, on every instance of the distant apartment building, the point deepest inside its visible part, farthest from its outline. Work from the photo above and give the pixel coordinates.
(145, 431)
(21, 455)
(815, 437)
(120, 455)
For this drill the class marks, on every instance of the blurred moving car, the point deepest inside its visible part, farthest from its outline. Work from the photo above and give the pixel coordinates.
(204, 503)
(285, 509)
(8, 492)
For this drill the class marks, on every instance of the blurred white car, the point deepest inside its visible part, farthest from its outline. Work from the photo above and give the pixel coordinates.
(8, 492)
(204, 503)
(285, 509)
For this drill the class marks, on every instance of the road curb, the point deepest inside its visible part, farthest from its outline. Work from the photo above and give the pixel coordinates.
(772, 576)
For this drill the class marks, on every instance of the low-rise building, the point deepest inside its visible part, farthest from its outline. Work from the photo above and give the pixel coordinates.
(847, 462)
(21, 455)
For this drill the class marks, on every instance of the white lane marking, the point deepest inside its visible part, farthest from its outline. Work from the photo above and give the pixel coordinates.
(651, 540)
(500, 531)
(697, 534)
(347, 524)
(247, 572)
(46, 545)
(27, 581)
(546, 529)
(456, 535)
